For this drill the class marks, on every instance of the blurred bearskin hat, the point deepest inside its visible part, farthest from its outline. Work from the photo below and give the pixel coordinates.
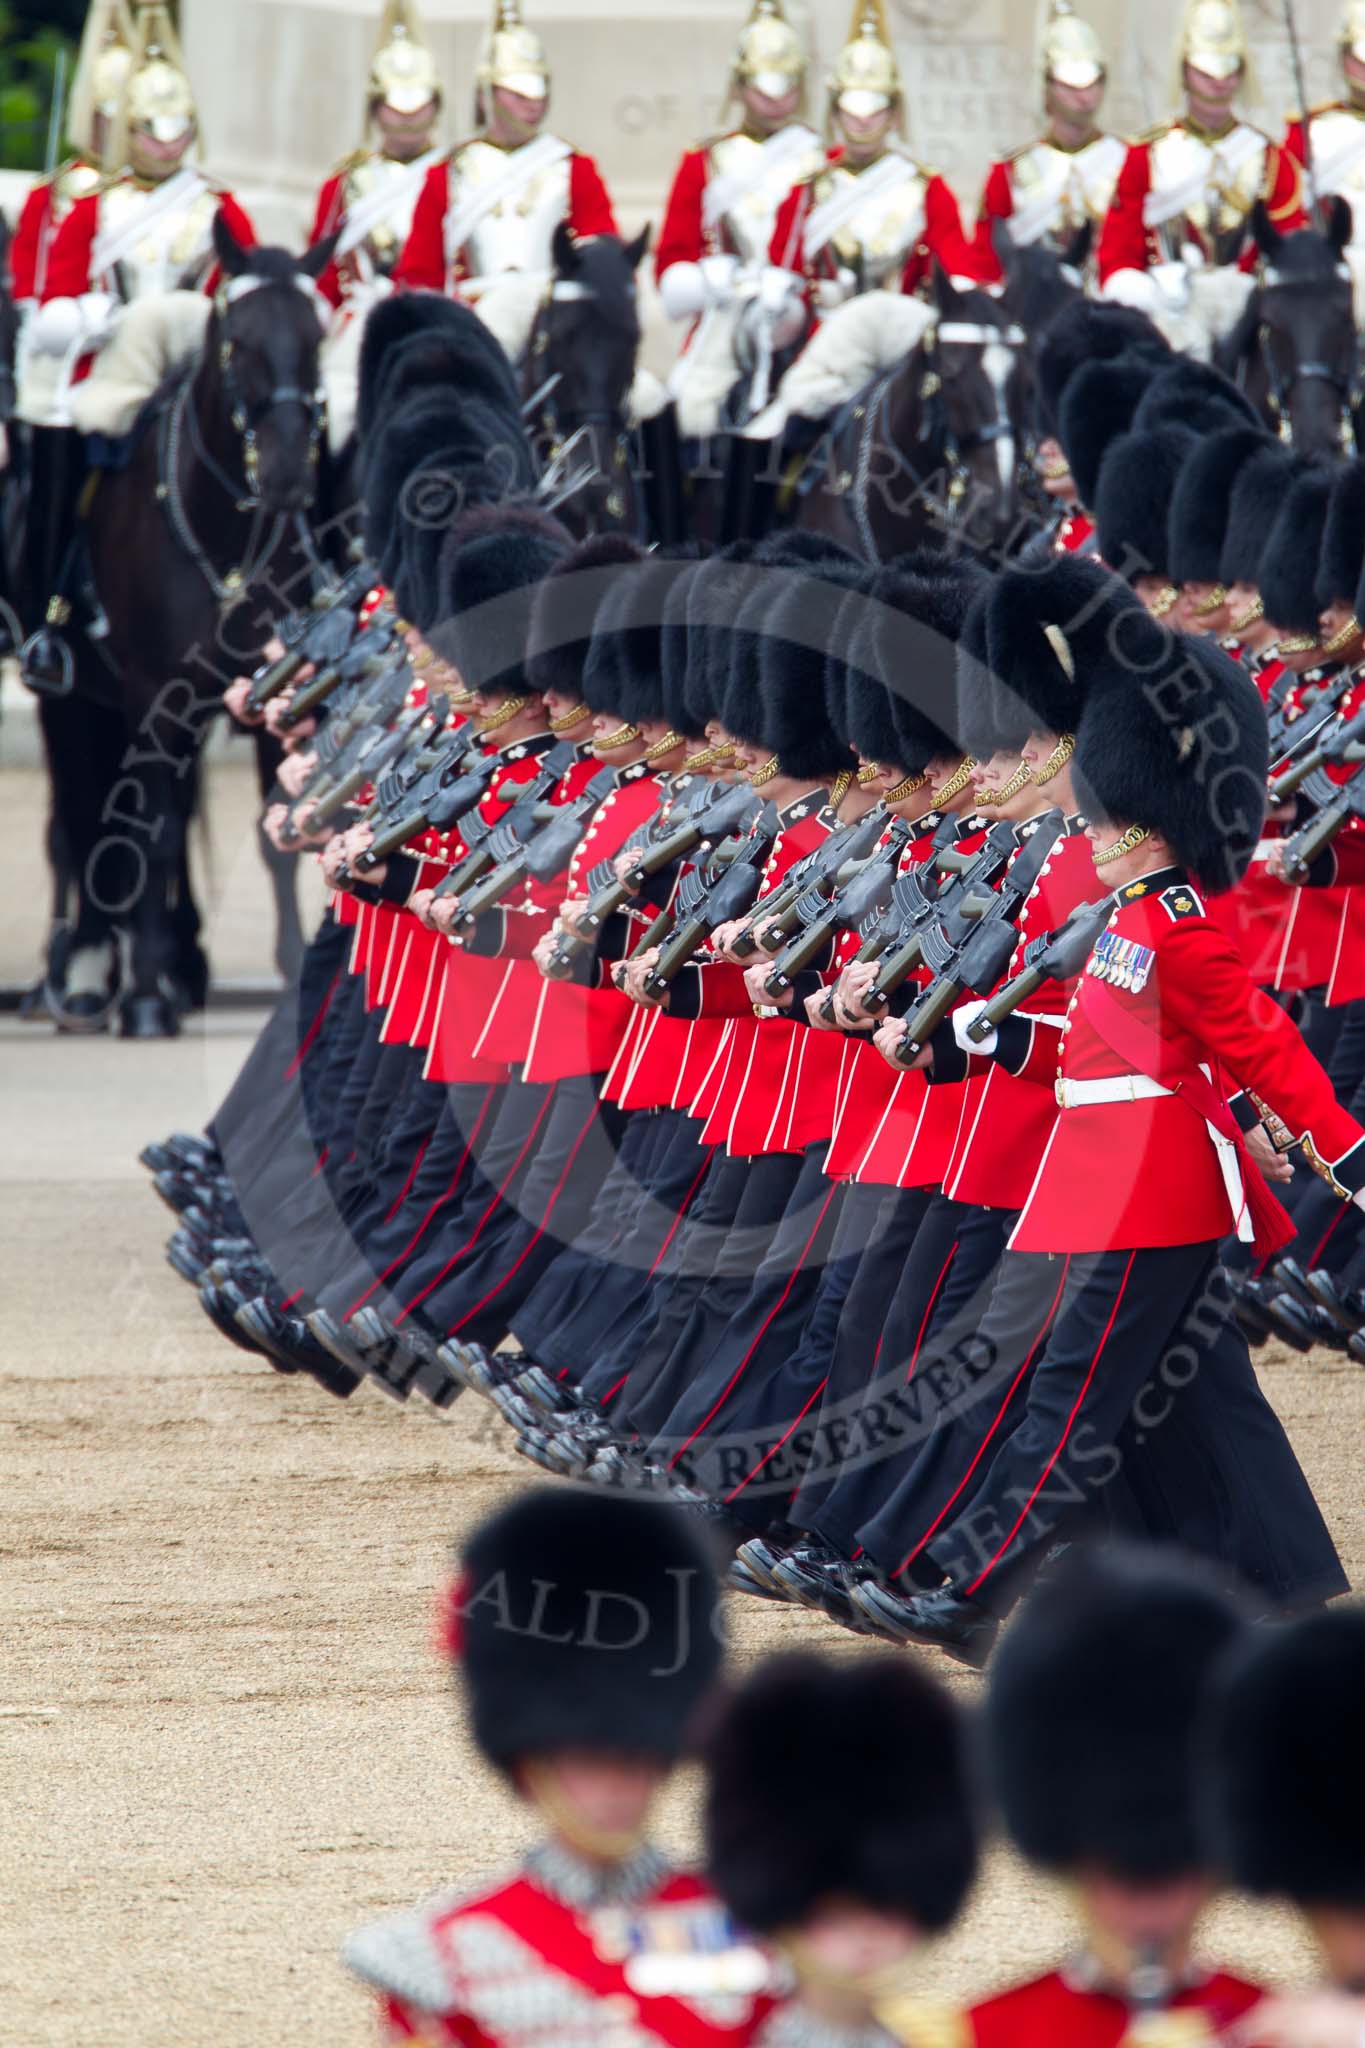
(892, 1828)
(565, 607)
(1284, 1766)
(1132, 506)
(1201, 507)
(622, 674)
(1188, 393)
(1257, 497)
(588, 1622)
(1049, 633)
(1092, 1713)
(1178, 745)
(1097, 410)
(1342, 556)
(492, 561)
(1088, 331)
(1288, 571)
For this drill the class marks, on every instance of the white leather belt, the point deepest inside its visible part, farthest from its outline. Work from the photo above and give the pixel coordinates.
(1141, 1088)
(1113, 1088)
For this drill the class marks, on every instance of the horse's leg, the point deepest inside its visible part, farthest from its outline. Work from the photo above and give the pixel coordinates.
(161, 808)
(82, 740)
(282, 868)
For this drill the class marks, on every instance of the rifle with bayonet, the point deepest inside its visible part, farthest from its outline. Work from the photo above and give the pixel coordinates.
(919, 899)
(520, 817)
(1336, 746)
(539, 858)
(720, 811)
(1058, 955)
(731, 893)
(320, 634)
(371, 653)
(456, 781)
(816, 874)
(1339, 803)
(1314, 708)
(970, 956)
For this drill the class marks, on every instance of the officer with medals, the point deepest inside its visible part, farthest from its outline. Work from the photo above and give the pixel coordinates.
(146, 230)
(1332, 135)
(722, 210)
(586, 1633)
(1092, 1752)
(368, 200)
(1055, 192)
(492, 205)
(1174, 237)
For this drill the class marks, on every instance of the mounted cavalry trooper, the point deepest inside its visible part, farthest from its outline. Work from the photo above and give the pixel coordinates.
(722, 210)
(369, 199)
(145, 232)
(489, 210)
(1055, 192)
(1329, 140)
(1174, 242)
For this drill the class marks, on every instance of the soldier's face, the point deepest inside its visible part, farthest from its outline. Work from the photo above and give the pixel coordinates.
(610, 1796)
(1156, 593)
(1341, 633)
(763, 114)
(1054, 471)
(1144, 1918)
(847, 1944)
(1104, 833)
(1206, 92)
(1196, 613)
(157, 160)
(558, 707)
(1076, 105)
(865, 134)
(942, 770)
(515, 117)
(405, 136)
(996, 773)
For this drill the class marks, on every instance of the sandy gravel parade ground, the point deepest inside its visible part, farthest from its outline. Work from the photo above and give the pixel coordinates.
(224, 1736)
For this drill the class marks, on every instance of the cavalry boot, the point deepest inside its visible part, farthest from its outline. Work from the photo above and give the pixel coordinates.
(46, 661)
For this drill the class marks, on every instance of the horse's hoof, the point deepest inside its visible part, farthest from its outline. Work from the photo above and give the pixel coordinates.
(148, 1017)
(83, 1015)
(47, 664)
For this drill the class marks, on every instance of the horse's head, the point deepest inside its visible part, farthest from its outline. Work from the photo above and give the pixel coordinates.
(976, 349)
(586, 339)
(1301, 320)
(263, 344)
(1040, 280)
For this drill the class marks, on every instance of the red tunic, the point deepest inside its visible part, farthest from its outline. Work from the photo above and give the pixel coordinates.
(40, 217)
(942, 236)
(423, 264)
(1142, 1172)
(1052, 2012)
(69, 263)
(1126, 241)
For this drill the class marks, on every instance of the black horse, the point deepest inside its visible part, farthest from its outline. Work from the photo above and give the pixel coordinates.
(195, 546)
(1295, 351)
(930, 452)
(577, 377)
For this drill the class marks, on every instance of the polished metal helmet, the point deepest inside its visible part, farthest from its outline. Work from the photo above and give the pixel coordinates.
(1072, 53)
(403, 72)
(770, 55)
(106, 57)
(866, 79)
(513, 56)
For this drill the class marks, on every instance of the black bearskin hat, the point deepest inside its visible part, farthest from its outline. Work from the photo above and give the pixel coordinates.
(1179, 745)
(1088, 331)
(798, 640)
(682, 560)
(1284, 1768)
(565, 606)
(922, 602)
(1257, 496)
(1202, 503)
(1137, 482)
(1098, 408)
(713, 595)
(1050, 632)
(491, 562)
(1342, 558)
(869, 714)
(891, 1827)
(423, 339)
(583, 1621)
(437, 454)
(622, 672)
(1188, 393)
(1092, 1713)
(1288, 572)
(990, 717)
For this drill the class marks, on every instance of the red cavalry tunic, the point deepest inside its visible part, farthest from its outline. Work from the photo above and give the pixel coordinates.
(1128, 242)
(425, 264)
(938, 234)
(1056, 2012)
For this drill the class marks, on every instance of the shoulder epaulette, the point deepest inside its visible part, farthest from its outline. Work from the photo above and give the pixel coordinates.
(1152, 134)
(1025, 148)
(1181, 901)
(352, 162)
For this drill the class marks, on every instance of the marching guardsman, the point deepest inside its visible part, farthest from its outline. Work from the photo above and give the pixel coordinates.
(368, 200)
(1285, 1805)
(101, 70)
(847, 1874)
(1186, 190)
(585, 1631)
(493, 204)
(1055, 192)
(872, 218)
(722, 210)
(1093, 1753)
(147, 229)
(1333, 134)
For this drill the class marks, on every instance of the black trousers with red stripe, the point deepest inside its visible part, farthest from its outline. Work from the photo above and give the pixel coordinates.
(550, 1208)
(1142, 1365)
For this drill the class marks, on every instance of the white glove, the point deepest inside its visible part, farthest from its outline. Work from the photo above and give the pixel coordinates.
(835, 291)
(968, 1014)
(682, 291)
(54, 328)
(719, 274)
(1132, 288)
(1172, 282)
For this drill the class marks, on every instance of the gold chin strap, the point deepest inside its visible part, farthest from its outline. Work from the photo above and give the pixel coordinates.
(1254, 612)
(1165, 601)
(1053, 472)
(911, 785)
(602, 1844)
(1207, 606)
(622, 737)
(1020, 779)
(706, 758)
(840, 788)
(1055, 762)
(1343, 638)
(664, 746)
(459, 700)
(505, 712)
(957, 782)
(869, 772)
(1299, 643)
(568, 719)
(1129, 843)
(761, 776)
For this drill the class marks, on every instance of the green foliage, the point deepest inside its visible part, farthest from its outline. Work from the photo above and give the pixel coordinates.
(30, 44)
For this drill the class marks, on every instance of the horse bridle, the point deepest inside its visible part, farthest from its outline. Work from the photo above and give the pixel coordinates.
(568, 429)
(246, 419)
(1280, 392)
(956, 448)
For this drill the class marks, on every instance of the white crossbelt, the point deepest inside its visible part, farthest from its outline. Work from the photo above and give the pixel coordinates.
(1141, 1088)
(1225, 158)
